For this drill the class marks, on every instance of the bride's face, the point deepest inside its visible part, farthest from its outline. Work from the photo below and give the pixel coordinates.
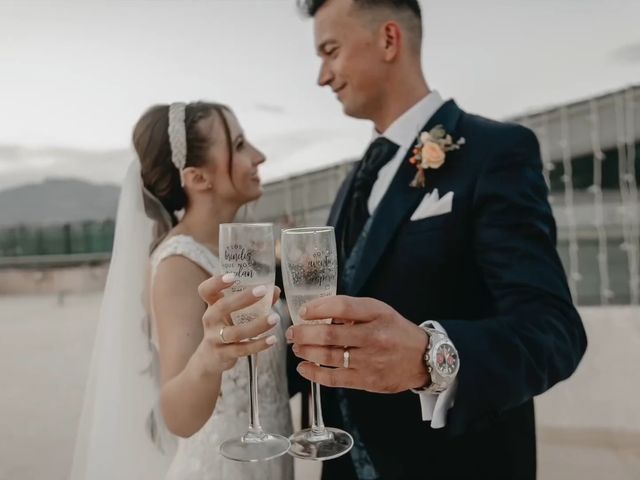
(234, 179)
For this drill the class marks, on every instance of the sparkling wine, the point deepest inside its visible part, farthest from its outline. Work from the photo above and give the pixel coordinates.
(259, 309)
(299, 296)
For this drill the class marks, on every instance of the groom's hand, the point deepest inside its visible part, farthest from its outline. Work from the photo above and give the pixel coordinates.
(386, 351)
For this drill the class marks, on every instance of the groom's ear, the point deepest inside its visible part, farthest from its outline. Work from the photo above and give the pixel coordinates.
(391, 40)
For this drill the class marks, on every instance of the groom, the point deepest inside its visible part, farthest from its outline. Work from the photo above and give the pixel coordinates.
(455, 310)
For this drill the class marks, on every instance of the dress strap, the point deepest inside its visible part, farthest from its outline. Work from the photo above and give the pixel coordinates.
(187, 247)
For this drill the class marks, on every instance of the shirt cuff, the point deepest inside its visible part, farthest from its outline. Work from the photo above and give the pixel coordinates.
(435, 406)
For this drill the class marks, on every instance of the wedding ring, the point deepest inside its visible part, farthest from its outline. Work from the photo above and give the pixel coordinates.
(346, 356)
(221, 334)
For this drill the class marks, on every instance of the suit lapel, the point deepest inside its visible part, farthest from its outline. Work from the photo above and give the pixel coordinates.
(400, 201)
(336, 215)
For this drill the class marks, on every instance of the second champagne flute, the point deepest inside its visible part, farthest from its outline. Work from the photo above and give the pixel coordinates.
(247, 250)
(310, 271)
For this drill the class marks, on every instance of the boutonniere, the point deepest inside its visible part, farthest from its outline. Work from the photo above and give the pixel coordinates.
(430, 152)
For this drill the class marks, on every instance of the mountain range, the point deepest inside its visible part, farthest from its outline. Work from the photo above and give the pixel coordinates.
(57, 201)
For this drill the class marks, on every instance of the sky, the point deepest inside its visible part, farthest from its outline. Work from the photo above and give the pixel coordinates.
(76, 75)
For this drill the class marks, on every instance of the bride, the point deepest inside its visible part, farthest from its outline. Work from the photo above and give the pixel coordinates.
(158, 370)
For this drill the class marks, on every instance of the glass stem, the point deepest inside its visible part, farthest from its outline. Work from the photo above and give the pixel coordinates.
(317, 422)
(254, 426)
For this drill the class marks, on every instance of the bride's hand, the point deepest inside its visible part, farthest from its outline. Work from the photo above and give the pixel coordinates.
(223, 343)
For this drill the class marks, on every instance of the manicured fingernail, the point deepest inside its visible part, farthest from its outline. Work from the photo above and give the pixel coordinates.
(229, 277)
(271, 340)
(295, 348)
(273, 319)
(289, 334)
(303, 311)
(260, 291)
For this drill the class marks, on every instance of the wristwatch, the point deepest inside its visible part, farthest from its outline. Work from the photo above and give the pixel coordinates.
(442, 361)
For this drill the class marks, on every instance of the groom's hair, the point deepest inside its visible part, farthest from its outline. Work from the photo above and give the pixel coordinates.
(406, 12)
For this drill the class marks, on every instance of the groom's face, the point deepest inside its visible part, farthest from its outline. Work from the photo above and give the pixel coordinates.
(351, 57)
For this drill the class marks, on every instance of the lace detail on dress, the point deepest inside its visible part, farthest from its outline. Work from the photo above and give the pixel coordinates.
(198, 457)
(185, 246)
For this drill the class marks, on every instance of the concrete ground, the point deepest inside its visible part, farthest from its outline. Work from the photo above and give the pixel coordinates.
(588, 427)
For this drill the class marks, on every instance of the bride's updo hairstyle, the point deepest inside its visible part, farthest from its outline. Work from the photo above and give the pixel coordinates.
(161, 172)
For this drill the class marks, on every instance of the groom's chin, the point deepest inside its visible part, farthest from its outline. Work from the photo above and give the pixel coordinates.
(352, 112)
(354, 109)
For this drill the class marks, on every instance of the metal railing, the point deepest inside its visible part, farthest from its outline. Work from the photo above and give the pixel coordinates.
(51, 261)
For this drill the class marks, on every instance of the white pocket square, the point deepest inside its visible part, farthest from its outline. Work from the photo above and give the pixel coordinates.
(432, 205)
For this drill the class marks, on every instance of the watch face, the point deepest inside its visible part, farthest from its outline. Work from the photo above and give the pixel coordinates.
(446, 359)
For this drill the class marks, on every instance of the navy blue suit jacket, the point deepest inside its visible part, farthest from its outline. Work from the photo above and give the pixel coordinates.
(489, 273)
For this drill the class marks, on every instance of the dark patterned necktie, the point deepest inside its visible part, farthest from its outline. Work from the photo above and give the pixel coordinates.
(377, 156)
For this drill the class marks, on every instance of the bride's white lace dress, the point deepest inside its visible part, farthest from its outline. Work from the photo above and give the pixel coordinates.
(198, 457)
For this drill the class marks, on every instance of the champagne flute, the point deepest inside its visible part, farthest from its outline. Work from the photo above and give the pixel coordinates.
(310, 271)
(247, 250)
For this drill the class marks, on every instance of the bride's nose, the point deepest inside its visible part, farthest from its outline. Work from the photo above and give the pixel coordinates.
(260, 158)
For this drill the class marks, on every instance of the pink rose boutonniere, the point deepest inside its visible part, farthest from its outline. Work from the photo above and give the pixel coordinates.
(430, 152)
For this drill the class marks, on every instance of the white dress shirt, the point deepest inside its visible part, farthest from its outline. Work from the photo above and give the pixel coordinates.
(403, 132)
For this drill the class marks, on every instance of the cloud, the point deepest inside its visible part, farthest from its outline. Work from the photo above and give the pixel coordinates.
(290, 151)
(269, 108)
(627, 53)
(19, 165)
